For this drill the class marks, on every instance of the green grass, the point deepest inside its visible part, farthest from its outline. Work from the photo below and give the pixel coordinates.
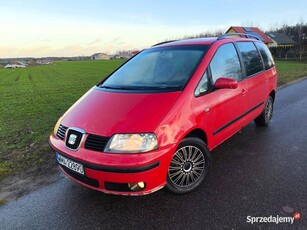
(290, 70)
(33, 98)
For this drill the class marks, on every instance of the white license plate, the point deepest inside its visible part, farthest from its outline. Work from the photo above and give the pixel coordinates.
(70, 164)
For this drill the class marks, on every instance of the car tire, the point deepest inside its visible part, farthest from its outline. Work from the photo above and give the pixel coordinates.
(189, 166)
(265, 117)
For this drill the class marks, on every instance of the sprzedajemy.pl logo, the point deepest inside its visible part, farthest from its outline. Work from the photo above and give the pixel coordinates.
(273, 219)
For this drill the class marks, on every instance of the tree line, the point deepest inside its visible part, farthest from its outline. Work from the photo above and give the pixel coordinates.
(297, 32)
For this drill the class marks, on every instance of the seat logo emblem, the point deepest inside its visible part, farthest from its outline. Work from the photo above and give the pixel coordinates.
(72, 139)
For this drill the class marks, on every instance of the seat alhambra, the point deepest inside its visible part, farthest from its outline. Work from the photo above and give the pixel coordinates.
(153, 122)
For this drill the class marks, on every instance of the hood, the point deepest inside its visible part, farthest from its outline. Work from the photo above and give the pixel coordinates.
(106, 113)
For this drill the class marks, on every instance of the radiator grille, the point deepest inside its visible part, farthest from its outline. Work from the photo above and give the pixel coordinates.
(95, 142)
(61, 132)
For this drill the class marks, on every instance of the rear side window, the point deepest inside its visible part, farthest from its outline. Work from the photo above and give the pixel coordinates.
(266, 55)
(225, 63)
(251, 58)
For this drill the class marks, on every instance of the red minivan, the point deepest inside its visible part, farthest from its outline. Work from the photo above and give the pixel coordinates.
(153, 121)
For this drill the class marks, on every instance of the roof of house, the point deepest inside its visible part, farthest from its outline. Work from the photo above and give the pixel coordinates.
(95, 54)
(281, 38)
(255, 31)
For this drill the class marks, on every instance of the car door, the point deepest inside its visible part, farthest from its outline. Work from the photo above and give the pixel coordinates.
(270, 72)
(256, 79)
(228, 105)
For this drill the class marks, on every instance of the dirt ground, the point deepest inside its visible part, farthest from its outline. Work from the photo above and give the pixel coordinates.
(16, 186)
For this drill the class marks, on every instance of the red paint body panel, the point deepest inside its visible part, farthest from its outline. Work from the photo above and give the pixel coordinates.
(119, 112)
(157, 175)
(171, 116)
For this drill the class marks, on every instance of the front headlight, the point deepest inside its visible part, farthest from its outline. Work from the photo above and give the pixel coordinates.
(132, 143)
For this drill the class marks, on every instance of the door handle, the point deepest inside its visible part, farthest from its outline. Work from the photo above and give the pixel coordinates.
(244, 91)
(266, 81)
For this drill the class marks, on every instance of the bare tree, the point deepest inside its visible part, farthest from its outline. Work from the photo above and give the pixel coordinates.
(298, 33)
(301, 38)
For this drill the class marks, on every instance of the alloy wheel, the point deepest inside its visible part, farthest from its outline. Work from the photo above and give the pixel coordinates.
(187, 166)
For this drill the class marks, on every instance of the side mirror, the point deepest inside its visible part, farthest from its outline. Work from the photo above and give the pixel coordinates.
(226, 83)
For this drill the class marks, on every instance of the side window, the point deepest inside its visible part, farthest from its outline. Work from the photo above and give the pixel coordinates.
(202, 86)
(266, 55)
(251, 58)
(225, 63)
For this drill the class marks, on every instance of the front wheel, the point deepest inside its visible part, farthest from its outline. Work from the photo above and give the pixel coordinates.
(189, 166)
(265, 117)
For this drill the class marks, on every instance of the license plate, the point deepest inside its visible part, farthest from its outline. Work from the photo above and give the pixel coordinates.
(70, 164)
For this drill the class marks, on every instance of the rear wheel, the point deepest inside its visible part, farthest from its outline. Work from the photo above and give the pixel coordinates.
(265, 117)
(189, 166)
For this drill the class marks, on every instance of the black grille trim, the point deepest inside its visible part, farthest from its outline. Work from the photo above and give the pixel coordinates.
(61, 132)
(84, 179)
(96, 143)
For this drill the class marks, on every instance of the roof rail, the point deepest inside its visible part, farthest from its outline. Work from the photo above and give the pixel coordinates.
(223, 36)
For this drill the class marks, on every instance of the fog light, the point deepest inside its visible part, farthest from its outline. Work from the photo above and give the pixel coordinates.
(139, 186)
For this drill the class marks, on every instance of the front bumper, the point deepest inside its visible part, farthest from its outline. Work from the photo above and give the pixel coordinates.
(112, 172)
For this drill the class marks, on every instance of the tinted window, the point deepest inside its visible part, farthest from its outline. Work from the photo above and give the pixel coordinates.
(225, 63)
(251, 58)
(157, 68)
(266, 55)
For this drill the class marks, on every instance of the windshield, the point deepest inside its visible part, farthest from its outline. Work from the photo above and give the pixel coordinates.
(157, 68)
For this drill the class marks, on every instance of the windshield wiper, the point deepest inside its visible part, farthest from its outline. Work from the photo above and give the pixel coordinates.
(140, 87)
(168, 87)
(116, 87)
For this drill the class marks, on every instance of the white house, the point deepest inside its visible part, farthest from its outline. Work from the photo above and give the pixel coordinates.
(12, 66)
(100, 56)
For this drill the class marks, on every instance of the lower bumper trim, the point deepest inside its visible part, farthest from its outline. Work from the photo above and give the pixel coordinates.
(118, 187)
(84, 179)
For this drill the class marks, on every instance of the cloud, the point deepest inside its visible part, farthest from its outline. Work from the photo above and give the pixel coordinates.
(29, 51)
(97, 40)
(85, 39)
(116, 39)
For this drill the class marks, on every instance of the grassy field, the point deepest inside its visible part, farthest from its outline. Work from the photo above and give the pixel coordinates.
(33, 98)
(290, 70)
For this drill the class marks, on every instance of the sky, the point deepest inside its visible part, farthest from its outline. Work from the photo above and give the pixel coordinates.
(41, 28)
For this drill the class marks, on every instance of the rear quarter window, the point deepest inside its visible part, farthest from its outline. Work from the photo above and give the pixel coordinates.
(251, 58)
(266, 55)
